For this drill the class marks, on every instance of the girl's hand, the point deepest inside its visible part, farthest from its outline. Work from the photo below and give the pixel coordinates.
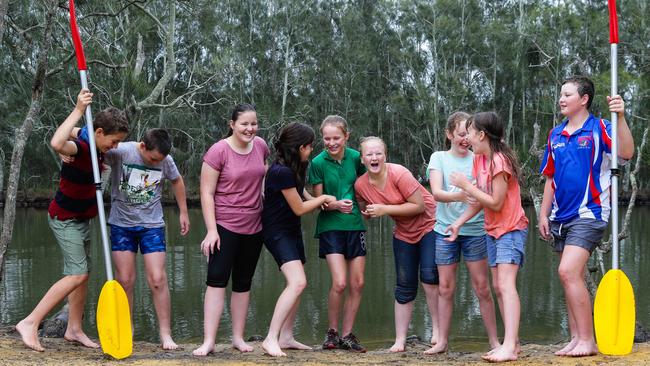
(375, 210)
(459, 180)
(453, 231)
(208, 244)
(344, 206)
(616, 105)
(327, 200)
(84, 99)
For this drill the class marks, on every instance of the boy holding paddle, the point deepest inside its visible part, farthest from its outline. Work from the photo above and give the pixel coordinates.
(576, 165)
(69, 217)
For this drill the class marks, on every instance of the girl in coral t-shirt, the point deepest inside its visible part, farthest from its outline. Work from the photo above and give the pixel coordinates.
(497, 192)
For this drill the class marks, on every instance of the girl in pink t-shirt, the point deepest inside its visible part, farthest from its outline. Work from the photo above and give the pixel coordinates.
(497, 192)
(231, 201)
(391, 189)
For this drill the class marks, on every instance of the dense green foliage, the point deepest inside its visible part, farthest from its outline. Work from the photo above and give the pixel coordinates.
(395, 69)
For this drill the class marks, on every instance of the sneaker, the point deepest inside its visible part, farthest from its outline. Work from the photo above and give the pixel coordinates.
(332, 339)
(350, 342)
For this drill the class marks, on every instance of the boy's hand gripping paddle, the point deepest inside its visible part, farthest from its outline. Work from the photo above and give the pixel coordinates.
(113, 312)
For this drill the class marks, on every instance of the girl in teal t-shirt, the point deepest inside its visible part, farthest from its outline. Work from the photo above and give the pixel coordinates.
(452, 202)
(340, 230)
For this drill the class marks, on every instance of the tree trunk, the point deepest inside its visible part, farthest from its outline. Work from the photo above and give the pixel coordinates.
(4, 4)
(2, 174)
(22, 134)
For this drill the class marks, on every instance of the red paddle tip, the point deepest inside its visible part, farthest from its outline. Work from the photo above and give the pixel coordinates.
(613, 22)
(76, 40)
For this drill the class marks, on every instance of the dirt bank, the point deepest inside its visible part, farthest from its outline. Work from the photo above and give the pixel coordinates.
(60, 352)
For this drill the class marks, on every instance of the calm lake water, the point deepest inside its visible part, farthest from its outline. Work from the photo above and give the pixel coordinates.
(34, 263)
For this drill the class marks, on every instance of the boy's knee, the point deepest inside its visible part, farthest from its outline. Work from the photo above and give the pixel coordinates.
(568, 275)
(157, 281)
(79, 279)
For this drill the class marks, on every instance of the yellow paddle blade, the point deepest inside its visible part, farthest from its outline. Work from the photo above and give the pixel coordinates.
(114, 321)
(614, 314)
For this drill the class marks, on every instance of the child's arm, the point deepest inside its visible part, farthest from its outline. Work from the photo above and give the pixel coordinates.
(414, 205)
(178, 186)
(545, 209)
(435, 179)
(492, 201)
(300, 207)
(208, 185)
(60, 141)
(625, 139)
(344, 205)
(454, 228)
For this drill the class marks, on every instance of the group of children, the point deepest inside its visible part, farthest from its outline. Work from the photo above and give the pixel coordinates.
(474, 210)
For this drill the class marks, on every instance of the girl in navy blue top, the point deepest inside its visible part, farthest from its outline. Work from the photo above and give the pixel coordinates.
(285, 200)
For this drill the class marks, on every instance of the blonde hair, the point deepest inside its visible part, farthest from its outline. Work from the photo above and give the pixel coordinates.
(336, 121)
(372, 138)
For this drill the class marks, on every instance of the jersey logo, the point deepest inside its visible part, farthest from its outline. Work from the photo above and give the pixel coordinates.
(584, 142)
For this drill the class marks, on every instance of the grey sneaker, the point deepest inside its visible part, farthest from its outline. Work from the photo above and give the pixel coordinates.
(351, 343)
(332, 339)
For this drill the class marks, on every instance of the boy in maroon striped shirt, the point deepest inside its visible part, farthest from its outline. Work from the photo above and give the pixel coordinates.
(69, 217)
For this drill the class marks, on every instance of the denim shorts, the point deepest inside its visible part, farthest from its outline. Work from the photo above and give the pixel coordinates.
(580, 232)
(73, 237)
(473, 248)
(148, 240)
(412, 259)
(285, 247)
(351, 244)
(508, 249)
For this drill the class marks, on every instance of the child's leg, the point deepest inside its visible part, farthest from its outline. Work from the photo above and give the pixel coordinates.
(286, 339)
(407, 260)
(338, 271)
(446, 291)
(573, 328)
(247, 255)
(430, 279)
(294, 274)
(511, 309)
(28, 327)
(213, 303)
(478, 271)
(402, 319)
(124, 261)
(357, 268)
(571, 271)
(76, 303)
(154, 264)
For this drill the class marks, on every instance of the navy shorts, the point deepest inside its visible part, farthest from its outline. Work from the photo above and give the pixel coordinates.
(149, 240)
(351, 244)
(285, 247)
(580, 232)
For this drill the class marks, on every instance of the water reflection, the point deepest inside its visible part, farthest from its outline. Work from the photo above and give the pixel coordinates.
(34, 263)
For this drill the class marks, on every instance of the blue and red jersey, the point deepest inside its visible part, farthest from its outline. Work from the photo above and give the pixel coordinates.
(579, 165)
(75, 198)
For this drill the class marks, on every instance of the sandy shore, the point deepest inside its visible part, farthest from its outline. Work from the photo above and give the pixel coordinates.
(60, 352)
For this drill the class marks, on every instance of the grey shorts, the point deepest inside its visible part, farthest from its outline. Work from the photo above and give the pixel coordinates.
(73, 237)
(580, 232)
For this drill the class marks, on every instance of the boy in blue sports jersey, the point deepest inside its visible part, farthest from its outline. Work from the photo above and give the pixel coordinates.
(576, 165)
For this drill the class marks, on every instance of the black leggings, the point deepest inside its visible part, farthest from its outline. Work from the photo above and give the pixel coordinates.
(238, 254)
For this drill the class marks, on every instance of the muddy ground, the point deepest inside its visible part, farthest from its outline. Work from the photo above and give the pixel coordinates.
(61, 352)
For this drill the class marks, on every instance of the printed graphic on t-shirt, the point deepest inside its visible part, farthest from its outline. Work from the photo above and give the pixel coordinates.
(139, 182)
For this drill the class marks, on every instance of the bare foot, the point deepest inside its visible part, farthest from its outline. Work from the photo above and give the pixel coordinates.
(568, 347)
(438, 348)
(272, 348)
(29, 333)
(492, 351)
(583, 348)
(494, 345)
(241, 345)
(79, 337)
(204, 350)
(293, 344)
(398, 347)
(167, 343)
(502, 354)
(434, 338)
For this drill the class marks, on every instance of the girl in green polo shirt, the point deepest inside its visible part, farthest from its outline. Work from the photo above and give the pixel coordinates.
(340, 229)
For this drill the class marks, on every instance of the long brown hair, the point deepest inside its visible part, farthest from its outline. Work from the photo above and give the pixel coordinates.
(492, 126)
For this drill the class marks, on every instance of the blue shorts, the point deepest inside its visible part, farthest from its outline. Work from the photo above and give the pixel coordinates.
(351, 244)
(149, 240)
(579, 232)
(508, 249)
(285, 247)
(473, 248)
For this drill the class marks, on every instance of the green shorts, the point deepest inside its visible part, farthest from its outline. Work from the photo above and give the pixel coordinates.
(73, 237)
